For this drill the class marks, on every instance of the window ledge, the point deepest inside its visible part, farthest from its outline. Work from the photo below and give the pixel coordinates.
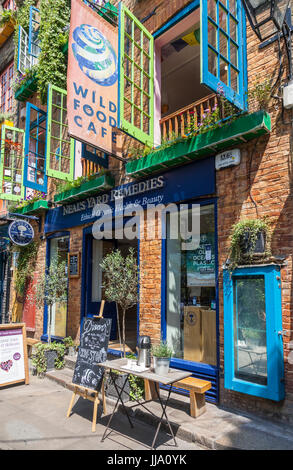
(102, 183)
(242, 129)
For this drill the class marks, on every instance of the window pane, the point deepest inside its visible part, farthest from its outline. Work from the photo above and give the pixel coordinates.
(191, 313)
(212, 9)
(212, 35)
(250, 350)
(213, 63)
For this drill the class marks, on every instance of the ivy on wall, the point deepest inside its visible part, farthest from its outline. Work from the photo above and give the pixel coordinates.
(53, 35)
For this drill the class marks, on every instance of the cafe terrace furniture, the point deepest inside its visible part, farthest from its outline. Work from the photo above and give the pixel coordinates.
(174, 375)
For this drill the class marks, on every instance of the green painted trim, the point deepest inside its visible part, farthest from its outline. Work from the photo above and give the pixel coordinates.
(102, 183)
(126, 126)
(243, 129)
(6, 196)
(50, 172)
(26, 90)
(33, 207)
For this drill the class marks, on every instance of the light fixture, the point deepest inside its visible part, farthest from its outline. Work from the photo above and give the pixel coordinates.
(266, 17)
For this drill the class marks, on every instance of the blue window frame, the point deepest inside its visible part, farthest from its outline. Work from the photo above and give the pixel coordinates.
(223, 49)
(94, 155)
(34, 25)
(35, 149)
(253, 345)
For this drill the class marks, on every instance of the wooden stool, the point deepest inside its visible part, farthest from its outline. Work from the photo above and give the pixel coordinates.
(91, 395)
(30, 343)
(197, 389)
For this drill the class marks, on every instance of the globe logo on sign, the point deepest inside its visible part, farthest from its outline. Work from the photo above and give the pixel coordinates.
(95, 55)
(21, 232)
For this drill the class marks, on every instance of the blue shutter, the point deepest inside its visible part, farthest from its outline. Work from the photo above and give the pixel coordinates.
(35, 149)
(223, 49)
(34, 25)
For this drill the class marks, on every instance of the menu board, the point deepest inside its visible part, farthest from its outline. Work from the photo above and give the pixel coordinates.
(13, 354)
(92, 350)
(73, 264)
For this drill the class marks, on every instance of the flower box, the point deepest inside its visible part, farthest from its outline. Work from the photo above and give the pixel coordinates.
(27, 89)
(33, 207)
(94, 186)
(6, 31)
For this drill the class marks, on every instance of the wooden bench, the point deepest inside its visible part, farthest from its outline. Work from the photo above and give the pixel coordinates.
(30, 343)
(197, 389)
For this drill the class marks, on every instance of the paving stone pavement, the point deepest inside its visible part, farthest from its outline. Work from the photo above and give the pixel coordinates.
(33, 417)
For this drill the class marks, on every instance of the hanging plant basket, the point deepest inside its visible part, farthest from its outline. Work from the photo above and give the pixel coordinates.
(249, 239)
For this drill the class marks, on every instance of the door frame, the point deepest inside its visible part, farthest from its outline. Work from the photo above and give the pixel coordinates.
(83, 299)
(204, 371)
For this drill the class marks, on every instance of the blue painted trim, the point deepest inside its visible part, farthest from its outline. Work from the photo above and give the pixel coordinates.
(92, 157)
(18, 49)
(207, 78)
(274, 390)
(30, 34)
(201, 370)
(119, 68)
(45, 314)
(29, 126)
(178, 17)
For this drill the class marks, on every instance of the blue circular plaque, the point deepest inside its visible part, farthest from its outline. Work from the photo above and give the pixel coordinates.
(21, 232)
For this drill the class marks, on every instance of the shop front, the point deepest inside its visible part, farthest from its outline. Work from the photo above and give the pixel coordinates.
(188, 279)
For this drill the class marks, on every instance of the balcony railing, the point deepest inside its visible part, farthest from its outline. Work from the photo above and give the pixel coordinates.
(88, 167)
(176, 124)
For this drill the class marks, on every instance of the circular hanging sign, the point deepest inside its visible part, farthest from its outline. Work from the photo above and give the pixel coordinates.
(21, 232)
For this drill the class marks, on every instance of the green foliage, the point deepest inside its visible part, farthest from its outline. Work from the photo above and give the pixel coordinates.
(25, 266)
(161, 350)
(251, 229)
(260, 92)
(52, 65)
(52, 62)
(39, 358)
(6, 16)
(5, 117)
(136, 383)
(68, 342)
(68, 185)
(121, 282)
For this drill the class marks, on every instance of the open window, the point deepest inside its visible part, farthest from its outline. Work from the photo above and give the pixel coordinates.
(11, 163)
(60, 146)
(25, 60)
(200, 54)
(35, 149)
(34, 25)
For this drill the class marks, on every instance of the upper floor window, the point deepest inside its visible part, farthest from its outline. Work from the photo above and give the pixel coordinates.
(6, 92)
(9, 5)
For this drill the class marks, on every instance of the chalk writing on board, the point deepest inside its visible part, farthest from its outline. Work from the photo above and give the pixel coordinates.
(92, 350)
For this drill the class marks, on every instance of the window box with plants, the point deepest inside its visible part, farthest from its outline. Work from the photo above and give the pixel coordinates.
(33, 204)
(83, 187)
(26, 85)
(7, 24)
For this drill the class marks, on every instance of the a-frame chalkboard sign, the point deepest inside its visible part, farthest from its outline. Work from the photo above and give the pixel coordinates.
(88, 377)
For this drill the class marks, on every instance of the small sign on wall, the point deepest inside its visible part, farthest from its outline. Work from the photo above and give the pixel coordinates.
(74, 264)
(227, 159)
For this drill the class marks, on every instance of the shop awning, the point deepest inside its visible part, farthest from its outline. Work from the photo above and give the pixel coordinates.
(243, 129)
(92, 187)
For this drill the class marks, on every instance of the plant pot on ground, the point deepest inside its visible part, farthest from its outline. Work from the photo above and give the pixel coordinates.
(48, 356)
(162, 354)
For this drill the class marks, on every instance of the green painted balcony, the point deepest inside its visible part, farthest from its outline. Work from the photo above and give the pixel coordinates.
(243, 129)
(33, 208)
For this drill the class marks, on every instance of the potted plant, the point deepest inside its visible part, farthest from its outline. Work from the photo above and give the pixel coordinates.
(249, 238)
(49, 289)
(69, 346)
(162, 354)
(47, 357)
(120, 280)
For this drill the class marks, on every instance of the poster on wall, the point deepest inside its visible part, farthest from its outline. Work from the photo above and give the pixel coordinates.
(13, 354)
(200, 263)
(92, 79)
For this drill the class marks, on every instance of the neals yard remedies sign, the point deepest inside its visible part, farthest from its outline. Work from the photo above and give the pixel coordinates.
(92, 350)
(13, 354)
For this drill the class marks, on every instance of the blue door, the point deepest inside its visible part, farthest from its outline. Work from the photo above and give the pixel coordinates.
(92, 285)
